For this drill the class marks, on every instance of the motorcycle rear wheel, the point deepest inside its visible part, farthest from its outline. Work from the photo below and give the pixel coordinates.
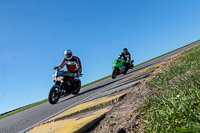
(54, 95)
(125, 71)
(77, 88)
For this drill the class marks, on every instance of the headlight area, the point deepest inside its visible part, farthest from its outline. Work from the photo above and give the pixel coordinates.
(60, 78)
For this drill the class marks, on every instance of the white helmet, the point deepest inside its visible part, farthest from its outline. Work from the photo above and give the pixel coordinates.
(68, 54)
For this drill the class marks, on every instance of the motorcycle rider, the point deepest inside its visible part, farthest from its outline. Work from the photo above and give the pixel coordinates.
(73, 64)
(127, 57)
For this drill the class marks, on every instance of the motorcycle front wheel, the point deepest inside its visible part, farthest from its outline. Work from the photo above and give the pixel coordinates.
(114, 73)
(54, 95)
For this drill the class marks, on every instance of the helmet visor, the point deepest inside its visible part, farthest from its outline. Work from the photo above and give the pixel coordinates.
(125, 51)
(69, 55)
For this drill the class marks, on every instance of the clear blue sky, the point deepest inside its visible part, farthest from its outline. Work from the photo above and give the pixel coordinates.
(35, 33)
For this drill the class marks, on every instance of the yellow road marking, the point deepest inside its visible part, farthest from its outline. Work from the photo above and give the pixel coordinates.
(147, 69)
(174, 55)
(69, 125)
(62, 123)
(87, 105)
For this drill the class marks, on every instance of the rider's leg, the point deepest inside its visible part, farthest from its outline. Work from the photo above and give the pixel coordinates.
(77, 82)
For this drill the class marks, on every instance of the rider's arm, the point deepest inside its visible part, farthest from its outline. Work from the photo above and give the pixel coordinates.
(128, 56)
(78, 65)
(62, 64)
(121, 54)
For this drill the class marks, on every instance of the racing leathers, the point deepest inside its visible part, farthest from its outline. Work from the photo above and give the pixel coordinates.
(127, 57)
(73, 65)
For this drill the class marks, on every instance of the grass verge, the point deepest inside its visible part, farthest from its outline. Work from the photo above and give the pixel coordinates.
(21, 109)
(174, 105)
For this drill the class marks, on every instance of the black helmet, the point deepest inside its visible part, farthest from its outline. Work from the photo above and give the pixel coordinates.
(125, 50)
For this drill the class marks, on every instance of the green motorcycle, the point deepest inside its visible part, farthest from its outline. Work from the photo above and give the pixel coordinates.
(121, 67)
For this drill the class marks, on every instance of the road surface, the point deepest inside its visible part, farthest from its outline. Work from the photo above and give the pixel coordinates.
(22, 121)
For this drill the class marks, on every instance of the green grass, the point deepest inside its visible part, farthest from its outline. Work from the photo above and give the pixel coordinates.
(174, 105)
(21, 109)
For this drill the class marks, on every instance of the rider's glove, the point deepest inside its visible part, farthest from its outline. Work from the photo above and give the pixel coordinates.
(74, 71)
(117, 61)
(55, 68)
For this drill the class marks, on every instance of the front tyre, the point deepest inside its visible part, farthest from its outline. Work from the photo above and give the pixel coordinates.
(114, 73)
(54, 95)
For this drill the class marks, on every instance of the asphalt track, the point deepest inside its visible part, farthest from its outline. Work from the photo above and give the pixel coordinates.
(24, 120)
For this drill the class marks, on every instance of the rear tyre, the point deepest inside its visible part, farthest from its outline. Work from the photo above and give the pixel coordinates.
(114, 73)
(127, 66)
(77, 87)
(125, 71)
(132, 66)
(54, 95)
